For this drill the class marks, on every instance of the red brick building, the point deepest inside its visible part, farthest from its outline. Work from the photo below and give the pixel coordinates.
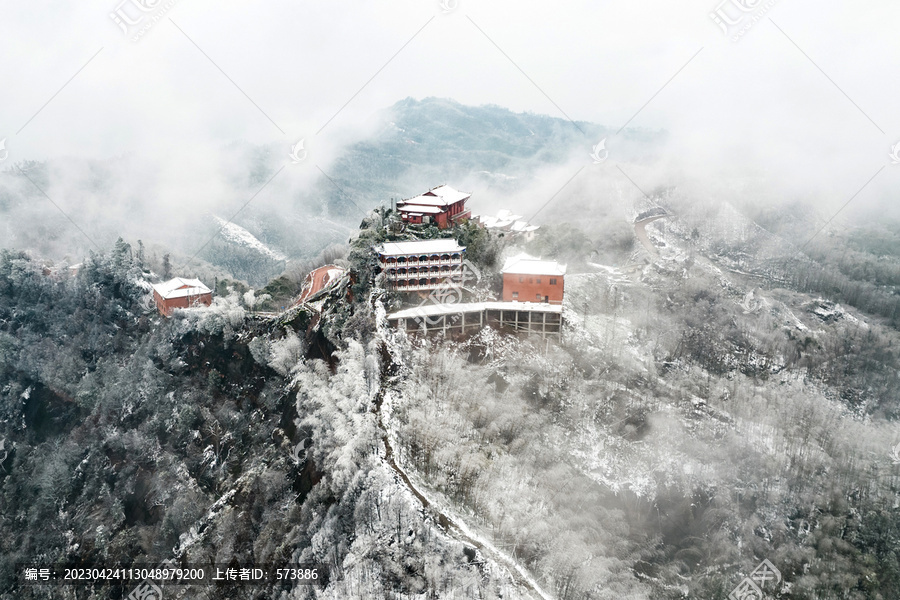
(529, 279)
(442, 206)
(180, 293)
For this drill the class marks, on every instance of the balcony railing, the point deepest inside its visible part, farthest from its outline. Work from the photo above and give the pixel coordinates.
(425, 263)
(428, 274)
(418, 286)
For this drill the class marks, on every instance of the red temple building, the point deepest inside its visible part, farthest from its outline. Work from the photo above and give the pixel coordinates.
(180, 293)
(529, 279)
(442, 206)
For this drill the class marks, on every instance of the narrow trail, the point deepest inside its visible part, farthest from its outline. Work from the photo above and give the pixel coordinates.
(453, 526)
(640, 230)
(443, 521)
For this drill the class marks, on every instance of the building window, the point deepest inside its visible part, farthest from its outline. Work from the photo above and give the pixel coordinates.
(531, 280)
(515, 295)
(539, 297)
(538, 280)
(521, 280)
(552, 281)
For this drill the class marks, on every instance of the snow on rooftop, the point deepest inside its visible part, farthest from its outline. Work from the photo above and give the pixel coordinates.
(419, 208)
(420, 247)
(431, 310)
(523, 264)
(181, 288)
(506, 215)
(505, 219)
(524, 227)
(442, 195)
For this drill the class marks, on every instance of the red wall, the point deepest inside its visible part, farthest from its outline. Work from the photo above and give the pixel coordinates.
(442, 220)
(529, 288)
(167, 306)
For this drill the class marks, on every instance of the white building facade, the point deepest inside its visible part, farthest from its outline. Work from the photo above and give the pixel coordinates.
(421, 265)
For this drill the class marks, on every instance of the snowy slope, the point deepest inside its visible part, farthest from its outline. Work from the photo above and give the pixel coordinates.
(238, 235)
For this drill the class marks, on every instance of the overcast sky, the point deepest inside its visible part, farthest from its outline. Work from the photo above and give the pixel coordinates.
(807, 94)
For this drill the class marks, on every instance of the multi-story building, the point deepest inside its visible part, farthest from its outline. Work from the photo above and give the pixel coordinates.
(529, 279)
(442, 206)
(421, 265)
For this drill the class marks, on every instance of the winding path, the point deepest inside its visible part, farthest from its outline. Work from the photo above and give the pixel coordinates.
(640, 230)
(452, 526)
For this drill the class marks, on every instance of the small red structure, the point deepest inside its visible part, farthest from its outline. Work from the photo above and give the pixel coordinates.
(180, 293)
(318, 280)
(442, 206)
(529, 279)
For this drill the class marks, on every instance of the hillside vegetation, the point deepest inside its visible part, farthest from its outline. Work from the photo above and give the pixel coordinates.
(703, 413)
(726, 392)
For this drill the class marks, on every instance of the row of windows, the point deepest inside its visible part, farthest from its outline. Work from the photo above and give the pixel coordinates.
(433, 257)
(538, 297)
(414, 270)
(531, 280)
(402, 283)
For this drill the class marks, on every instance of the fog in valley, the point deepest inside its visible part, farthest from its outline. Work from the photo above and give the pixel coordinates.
(717, 182)
(197, 114)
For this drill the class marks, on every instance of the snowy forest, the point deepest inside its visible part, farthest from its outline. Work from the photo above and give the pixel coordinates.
(723, 394)
(449, 300)
(707, 409)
